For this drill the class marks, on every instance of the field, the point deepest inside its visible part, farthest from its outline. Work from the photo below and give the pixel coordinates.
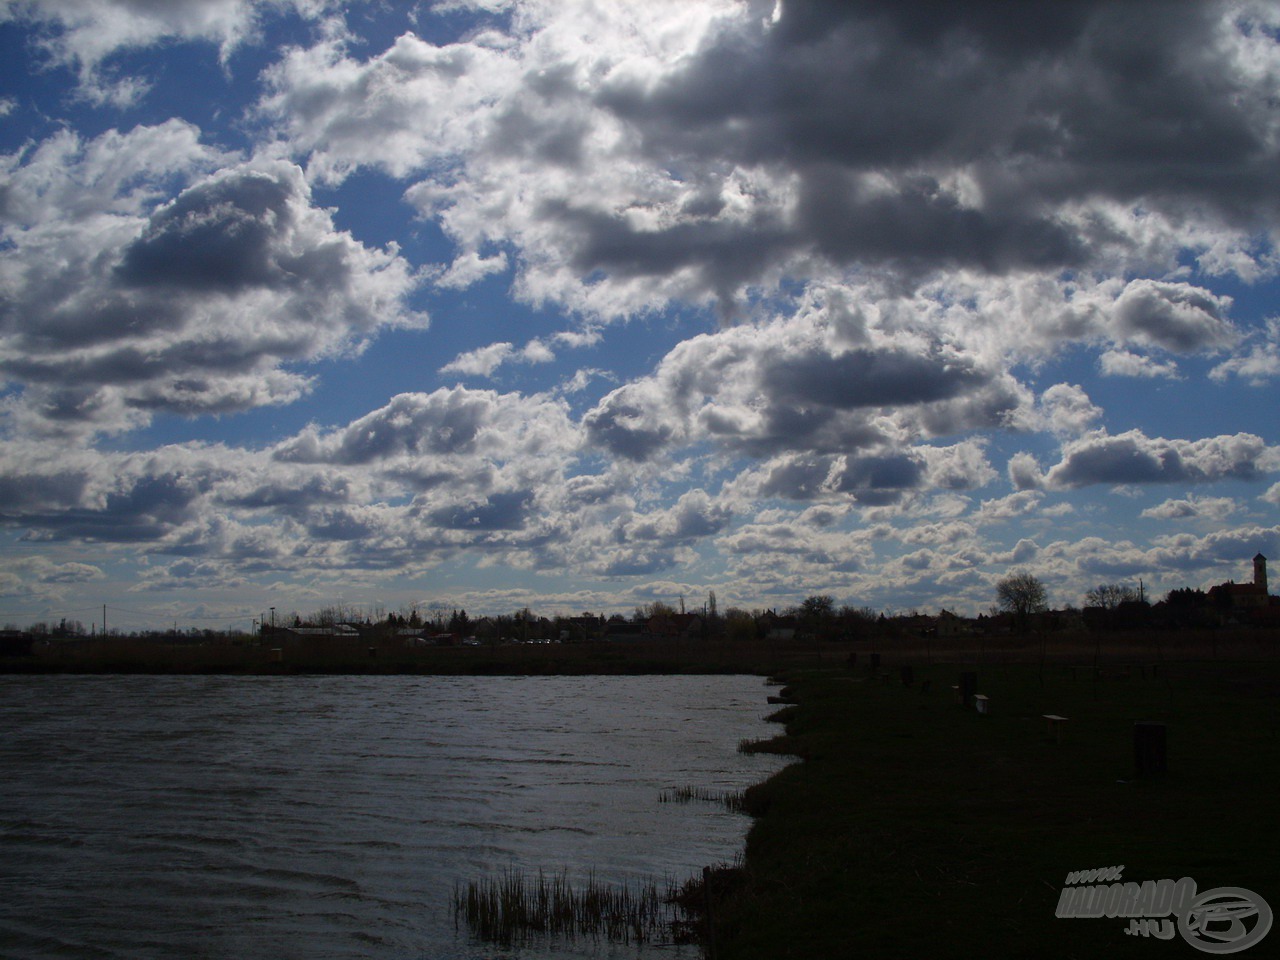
(916, 827)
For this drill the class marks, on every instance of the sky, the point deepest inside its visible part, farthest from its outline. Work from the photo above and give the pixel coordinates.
(582, 305)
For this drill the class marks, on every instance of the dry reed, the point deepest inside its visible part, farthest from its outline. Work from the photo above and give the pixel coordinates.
(730, 798)
(514, 908)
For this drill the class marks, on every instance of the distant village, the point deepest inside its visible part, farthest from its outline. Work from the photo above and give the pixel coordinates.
(1107, 608)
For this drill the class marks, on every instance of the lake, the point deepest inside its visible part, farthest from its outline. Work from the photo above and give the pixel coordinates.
(310, 817)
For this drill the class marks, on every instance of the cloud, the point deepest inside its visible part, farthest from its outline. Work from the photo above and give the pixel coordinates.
(483, 361)
(694, 515)
(1192, 508)
(1262, 362)
(42, 576)
(480, 362)
(1223, 553)
(118, 307)
(793, 385)
(910, 216)
(88, 32)
(445, 423)
(470, 268)
(113, 498)
(1124, 363)
(1067, 410)
(1175, 316)
(997, 142)
(87, 35)
(1134, 458)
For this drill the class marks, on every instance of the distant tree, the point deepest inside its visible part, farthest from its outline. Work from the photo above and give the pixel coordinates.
(856, 622)
(1108, 596)
(739, 625)
(655, 609)
(818, 607)
(1021, 594)
(1186, 597)
(817, 616)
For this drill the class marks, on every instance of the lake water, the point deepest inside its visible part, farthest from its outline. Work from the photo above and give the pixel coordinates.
(330, 817)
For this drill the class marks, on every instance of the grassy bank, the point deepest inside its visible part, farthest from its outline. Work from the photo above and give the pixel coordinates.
(917, 828)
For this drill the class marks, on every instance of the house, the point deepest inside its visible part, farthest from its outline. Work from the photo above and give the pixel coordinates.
(676, 626)
(337, 631)
(949, 625)
(619, 629)
(15, 643)
(774, 627)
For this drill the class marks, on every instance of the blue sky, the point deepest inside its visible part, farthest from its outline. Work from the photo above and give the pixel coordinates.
(582, 305)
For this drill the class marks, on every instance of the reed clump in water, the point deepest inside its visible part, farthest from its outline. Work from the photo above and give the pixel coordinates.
(731, 799)
(515, 907)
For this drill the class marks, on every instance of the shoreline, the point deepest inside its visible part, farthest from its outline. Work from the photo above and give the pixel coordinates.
(913, 826)
(763, 657)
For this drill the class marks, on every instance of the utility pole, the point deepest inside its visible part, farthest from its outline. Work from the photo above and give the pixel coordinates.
(104, 621)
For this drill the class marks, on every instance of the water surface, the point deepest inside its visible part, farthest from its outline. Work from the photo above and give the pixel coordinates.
(331, 816)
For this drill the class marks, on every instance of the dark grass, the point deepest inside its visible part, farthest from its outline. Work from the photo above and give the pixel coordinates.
(917, 828)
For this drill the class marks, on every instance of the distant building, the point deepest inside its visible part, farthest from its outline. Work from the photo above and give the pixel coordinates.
(15, 643)
(1244, 596)
(337, 631)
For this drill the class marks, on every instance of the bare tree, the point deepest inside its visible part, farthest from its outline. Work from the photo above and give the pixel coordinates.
(1108, 596)
(1021, 594)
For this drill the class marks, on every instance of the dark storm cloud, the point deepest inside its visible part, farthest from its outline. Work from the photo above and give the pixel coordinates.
(291, 497)
(867, 378)
(215, 237)
(874, 480)
(921, 226)
(1175, 316)
(500, 511)
(797, 478)
(724, 254)
(1133, 458)
(630, 423)
(145, 509)
(871, 105)
(877, 481)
